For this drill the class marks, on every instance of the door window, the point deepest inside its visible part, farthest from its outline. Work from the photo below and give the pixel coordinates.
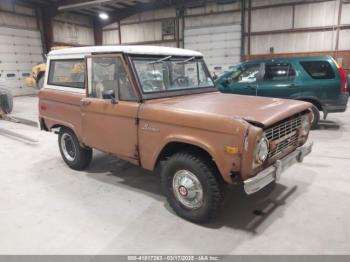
(279, 72)
(246, 74)
(318, 69)
(108, 73)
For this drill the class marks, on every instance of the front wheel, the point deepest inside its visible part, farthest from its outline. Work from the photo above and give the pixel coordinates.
(75, 156)
(191, 187)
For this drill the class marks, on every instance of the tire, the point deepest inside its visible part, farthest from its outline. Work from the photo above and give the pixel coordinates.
(40, 83)
(6, 101)
(316, 117)
(200, 206)
(75, 156)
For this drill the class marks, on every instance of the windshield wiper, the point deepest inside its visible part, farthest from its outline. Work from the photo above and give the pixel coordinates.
(159, 60)
(185, 61)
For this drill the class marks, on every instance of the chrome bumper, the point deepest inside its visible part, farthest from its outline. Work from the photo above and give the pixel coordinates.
(274, 172)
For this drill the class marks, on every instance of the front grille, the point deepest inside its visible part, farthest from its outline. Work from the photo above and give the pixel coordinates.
(283, 135)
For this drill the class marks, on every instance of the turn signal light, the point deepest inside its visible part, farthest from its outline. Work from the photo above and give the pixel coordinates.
(232, 150)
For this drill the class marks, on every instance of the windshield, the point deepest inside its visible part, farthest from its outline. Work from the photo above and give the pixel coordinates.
(168, 74)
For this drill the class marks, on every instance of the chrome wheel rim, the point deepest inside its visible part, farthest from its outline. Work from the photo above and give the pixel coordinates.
(187, 189)
(68, 147)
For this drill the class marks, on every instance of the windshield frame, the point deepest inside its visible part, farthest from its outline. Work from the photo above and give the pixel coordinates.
(175, 92)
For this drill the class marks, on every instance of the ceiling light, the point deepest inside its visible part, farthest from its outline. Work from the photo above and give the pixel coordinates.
(103, 16)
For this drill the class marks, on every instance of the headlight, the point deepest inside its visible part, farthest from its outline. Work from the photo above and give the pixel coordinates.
(305, 126)
(262, 150)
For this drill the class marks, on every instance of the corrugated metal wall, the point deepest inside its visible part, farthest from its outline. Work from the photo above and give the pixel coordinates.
(344, 34)
(294, 17)
(73, 29)
(142, 28)
(20, 46)
(111, 34)
(294, 28)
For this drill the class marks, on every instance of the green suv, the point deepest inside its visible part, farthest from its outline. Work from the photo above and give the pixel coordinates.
(318, 80)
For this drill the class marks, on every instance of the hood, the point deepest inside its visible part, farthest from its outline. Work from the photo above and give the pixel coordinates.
(259, 110)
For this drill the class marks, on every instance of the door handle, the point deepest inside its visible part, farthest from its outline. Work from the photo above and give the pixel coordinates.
(250, 87)
(85, 102)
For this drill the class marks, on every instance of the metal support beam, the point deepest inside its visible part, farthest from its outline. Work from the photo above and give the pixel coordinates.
(40, 26)
(48, 13)
(120, 32)
(179, 14)
(249, 24)
(98, 35)
(243, 7)
(338, 26)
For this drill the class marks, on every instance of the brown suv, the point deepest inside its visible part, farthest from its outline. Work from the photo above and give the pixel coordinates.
(158, 108)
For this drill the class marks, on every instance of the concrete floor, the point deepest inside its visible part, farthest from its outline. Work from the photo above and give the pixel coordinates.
(115, 208)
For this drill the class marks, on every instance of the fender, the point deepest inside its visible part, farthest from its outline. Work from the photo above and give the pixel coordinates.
(53, 123)
(225, 162)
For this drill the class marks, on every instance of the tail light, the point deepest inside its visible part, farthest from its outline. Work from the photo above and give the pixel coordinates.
(343, 87)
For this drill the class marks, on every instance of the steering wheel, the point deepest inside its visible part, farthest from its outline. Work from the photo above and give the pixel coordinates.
(149, 85)
(181, 81)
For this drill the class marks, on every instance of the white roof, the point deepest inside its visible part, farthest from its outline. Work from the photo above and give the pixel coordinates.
(128, 49)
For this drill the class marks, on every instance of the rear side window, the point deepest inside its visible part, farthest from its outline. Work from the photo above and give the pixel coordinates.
(318, 69)
(67, 73)
(279, 72)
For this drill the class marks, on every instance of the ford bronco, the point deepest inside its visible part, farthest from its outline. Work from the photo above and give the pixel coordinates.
(157, 107)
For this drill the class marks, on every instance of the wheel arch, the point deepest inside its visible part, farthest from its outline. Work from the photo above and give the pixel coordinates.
(176, 146)
(313, 100)
(48, 125)
(71, 127)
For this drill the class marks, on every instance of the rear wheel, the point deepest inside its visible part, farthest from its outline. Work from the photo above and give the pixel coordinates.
(75, 156)
(191, 187)
(315, 117)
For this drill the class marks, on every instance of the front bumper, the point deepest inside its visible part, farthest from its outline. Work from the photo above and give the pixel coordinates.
(273, 172)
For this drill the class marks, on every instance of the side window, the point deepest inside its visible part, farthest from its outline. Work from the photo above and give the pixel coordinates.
(246, 74)
(279, 72)
(67, 73)
(108, 73)
(318, 69)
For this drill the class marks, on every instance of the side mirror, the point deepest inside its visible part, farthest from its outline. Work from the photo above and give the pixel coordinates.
(109, 94)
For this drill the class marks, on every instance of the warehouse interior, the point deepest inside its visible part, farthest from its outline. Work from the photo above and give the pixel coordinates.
(114, 207)
(271, 29)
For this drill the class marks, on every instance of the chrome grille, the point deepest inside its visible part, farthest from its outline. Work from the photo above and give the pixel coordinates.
(283, 135)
